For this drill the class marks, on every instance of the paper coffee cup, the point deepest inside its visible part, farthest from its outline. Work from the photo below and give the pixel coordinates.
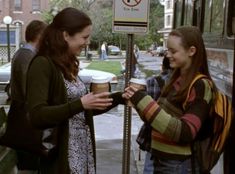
(99, 84)
(138, 83)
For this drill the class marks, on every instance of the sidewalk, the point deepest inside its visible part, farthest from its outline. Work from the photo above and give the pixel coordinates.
(109, 135)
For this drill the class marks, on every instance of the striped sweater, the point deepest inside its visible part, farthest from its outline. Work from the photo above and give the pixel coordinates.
(174, 128)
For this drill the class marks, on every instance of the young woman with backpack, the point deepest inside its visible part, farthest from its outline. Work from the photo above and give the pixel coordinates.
(175, 127)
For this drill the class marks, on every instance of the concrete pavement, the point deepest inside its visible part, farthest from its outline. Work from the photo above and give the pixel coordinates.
(109, 135)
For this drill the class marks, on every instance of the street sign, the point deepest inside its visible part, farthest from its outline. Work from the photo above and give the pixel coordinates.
(131, 16)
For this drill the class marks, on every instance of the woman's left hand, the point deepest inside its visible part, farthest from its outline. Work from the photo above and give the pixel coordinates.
(96, 101)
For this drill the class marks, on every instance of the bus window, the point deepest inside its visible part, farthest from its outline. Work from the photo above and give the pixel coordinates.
(213, 17)
(197, 16)
(178, 13)
(231, 18)
(217, 16)
(188, 12)
(207, 16)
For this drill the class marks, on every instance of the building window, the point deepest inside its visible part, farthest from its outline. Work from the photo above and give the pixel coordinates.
(178, 14)
(17, 5)
(3, 37)
(188, 20)
(213, 19)
(168, 20)
(36, 5)
(168, 4)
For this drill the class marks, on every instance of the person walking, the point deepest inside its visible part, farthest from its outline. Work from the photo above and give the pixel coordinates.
(174, 126)
(56, 96)
(103, 51)
(28, 163)
(136, 51)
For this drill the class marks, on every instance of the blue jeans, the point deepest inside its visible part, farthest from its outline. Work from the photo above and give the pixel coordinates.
(167, 166)
(103, 55)
(148, 164)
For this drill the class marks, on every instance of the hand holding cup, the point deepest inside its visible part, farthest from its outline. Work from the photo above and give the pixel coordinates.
(135, 85)
(98, 101)
(99, 96)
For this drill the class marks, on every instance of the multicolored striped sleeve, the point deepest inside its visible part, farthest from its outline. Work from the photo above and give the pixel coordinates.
(179, 129)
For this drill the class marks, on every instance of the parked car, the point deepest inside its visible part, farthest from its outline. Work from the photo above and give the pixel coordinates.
(5, 73)
(87, 74)
(159, 51)
(84, 74)
(114, 50)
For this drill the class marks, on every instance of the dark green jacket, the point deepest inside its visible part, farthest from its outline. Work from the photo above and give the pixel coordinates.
(49, 107)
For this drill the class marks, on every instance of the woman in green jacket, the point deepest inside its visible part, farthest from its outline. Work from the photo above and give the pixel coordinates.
(58, 98)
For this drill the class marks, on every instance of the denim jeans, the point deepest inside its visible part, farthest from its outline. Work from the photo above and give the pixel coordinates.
(103, 55)
(148, 164)
(167, 166)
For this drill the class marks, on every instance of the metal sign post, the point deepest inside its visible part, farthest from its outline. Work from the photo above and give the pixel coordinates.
(131, 17)
(127, 111)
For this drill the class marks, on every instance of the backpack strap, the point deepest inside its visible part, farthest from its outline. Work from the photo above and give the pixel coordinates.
(193, 148)
(198, 76)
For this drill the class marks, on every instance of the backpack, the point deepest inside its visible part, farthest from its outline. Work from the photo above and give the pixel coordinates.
(208, 146)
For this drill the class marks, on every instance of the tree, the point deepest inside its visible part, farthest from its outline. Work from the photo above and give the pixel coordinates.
(57, 5)
(101, 15)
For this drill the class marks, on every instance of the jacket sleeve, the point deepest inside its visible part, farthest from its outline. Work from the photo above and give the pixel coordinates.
(117, 99)
(42, 113)
(181, 129)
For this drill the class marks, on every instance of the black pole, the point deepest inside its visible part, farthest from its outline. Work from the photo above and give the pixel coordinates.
(127, 111)
(8, 43)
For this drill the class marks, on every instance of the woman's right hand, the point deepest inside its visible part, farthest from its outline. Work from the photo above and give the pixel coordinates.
(96, 101)
(129, 92)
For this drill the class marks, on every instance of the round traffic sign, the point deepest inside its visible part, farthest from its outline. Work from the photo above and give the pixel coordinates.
(131, 3)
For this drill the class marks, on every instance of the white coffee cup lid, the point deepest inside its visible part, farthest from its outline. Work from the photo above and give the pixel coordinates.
(98, 79)
(138, 81)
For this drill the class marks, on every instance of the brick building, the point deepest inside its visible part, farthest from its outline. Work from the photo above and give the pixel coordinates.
(22, 12)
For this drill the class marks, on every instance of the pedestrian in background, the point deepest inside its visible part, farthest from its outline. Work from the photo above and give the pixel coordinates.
(27, 163)
(155, 85)
(58, 98)
(103, 51)
(136, 51)
(174, 127)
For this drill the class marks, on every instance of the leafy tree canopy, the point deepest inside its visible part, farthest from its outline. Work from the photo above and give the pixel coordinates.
(101, 15)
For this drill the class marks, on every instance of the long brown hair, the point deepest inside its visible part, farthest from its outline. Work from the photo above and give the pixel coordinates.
(55, 47)
(190, 36)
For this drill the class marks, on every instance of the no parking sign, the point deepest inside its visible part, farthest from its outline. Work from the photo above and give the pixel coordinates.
(131, 16)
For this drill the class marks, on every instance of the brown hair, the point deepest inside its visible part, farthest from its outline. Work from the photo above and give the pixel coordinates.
(190, 36)
(55, 47)
(34, 29)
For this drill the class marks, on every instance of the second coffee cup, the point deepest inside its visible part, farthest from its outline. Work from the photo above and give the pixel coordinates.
(138, 83)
